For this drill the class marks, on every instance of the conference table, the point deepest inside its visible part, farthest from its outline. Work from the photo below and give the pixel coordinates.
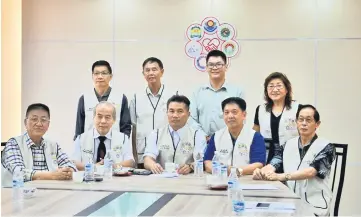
(147, 196)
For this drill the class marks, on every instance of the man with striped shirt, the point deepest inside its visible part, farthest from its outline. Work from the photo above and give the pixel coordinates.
(37, 157)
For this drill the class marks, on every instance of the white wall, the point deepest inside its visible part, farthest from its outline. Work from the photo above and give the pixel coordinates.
(311, 41)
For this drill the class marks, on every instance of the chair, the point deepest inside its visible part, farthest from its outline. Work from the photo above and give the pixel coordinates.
(341, 151)
(3, 146)
(269, 143)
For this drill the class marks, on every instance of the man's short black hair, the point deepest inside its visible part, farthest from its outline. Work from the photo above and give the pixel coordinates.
(235, 100)
(180, 99)
(316, 115)
(37, 106)
(217, 53)
(152, 60)
(102, 63)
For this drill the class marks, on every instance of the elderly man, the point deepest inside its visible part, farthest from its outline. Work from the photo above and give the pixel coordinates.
(102, 75)
(206, 112)
(96, 142)
(306, 161)
(175, 142)
(148, 108)
(37, 157)
(237, 147)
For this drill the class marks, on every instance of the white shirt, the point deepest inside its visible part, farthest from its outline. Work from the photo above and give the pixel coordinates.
(127, 151)
(152, 148)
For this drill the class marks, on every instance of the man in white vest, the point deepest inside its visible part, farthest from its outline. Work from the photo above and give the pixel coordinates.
(176, 142)
(306, 161)
(101, 139)
(102, 75)
(148, 108)
(38, 158)
(237, 147)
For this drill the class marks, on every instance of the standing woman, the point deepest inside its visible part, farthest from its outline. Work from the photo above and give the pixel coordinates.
(276, 119)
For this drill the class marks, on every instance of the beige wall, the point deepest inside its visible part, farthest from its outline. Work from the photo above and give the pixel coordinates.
(308, 40)
(10, 68)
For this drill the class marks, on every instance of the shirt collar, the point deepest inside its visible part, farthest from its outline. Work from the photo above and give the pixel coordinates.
(309, 144)
(178, 131)
(96, 134)
(30, 143)
(159, 91)
(224, 86)
(105, 94)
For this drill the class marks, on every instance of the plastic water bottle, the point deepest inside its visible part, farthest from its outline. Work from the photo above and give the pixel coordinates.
(233, 182)
(108, 165)
(215, 164)
(18, 185)
(238, 204)
(89, 170)
(198, 167)
(223, 169)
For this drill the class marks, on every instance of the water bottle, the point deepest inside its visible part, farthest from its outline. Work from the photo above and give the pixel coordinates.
(233, 182)
(238, 204)
(198, 164)
(18, 185)
(89, 170)
(215, 164)
(108, 165)
(223, 169)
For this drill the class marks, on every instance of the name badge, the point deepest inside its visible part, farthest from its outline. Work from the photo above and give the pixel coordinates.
(242, 149)
(187, 148)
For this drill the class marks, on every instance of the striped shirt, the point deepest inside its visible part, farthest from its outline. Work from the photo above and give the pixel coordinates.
(12, 158)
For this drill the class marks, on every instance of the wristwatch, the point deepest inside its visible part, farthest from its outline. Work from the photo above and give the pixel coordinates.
(287, 176)
(239, 172)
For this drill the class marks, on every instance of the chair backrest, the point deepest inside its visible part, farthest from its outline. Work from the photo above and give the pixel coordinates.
(341, 152)
(269, 143)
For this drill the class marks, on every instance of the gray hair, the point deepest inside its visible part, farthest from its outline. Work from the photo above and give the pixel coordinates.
(109, 104)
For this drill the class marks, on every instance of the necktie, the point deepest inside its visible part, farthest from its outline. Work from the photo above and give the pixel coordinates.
(101, 148)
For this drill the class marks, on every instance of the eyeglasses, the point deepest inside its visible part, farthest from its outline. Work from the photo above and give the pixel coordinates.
(308, 120)
(278, 87)
(217, 65)
(101, 73)
(36, 120)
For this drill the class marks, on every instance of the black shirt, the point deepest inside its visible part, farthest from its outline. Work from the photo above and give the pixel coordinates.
(275, 123)
(124, 122)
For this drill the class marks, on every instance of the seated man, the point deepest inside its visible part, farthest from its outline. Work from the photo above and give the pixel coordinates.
(237, 147)
(37, 157)
(176, 142)
(94, 143)
(306, 161)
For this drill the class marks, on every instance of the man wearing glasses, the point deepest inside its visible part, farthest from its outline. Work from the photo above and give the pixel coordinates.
(306, 161)
(37, 157)
(148, 108)
(102, 75)
(206, 111)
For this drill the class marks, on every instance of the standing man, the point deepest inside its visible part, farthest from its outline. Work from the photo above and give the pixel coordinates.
(148, 108)
(102, 75)
(206, 111)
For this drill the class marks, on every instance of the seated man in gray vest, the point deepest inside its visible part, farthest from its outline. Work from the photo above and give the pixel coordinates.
(306, 161)
(37, 157)
(96, 142)
(176, 142)
(237, 146)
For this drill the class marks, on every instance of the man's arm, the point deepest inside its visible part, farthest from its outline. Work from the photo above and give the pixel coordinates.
(208, 155)
(63, 159)
(257, 154)
(76, 157)
(193, 120)
(80, 118)
(128, 159)
(133, 117)
(125, 120)
(151, 153)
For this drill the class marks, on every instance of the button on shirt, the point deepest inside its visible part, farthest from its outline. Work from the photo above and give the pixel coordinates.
(206, 109)
(152, 148)
(127, 152)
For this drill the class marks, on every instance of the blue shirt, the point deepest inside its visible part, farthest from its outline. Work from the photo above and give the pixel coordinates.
(206, 108)
(257, 151)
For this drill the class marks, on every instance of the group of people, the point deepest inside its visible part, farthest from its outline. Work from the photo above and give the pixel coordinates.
(165, 126)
